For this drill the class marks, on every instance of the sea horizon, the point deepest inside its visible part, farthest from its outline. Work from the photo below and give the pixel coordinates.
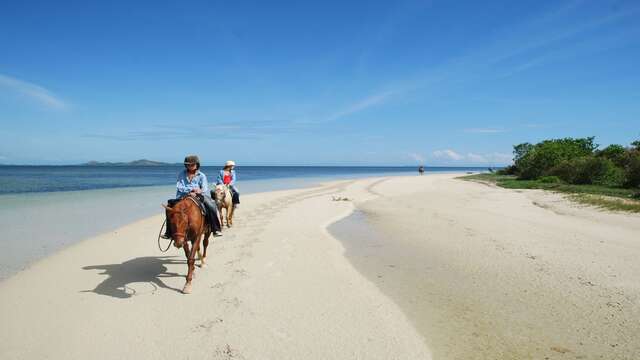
(17, 179)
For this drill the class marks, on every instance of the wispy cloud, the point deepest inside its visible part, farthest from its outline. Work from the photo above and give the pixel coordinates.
(221, 131)
(552, 36)
(36, 92)
(559, 35)
(484, 130)
(361, 105)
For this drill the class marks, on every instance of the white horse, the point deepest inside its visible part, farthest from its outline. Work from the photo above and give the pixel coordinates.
(224, 200)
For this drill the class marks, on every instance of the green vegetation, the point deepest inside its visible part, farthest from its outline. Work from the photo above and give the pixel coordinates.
(611, 198)
(578, 162)
(608, 178)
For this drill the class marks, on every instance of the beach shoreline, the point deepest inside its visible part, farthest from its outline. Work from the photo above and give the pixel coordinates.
(51, 221)
(440, 268)
(273, 289)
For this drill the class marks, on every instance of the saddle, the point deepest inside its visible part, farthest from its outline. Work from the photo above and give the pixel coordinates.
(196, 200)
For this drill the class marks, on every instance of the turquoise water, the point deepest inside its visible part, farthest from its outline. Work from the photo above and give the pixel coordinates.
(37, 223)
(22, 179)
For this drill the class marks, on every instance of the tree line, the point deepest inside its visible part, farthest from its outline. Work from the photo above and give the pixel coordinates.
(577, 161)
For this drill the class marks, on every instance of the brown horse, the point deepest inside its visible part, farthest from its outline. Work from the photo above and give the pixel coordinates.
(187, 226)
(222, 195)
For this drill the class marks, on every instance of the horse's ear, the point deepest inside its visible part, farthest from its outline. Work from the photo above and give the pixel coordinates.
(169, 209)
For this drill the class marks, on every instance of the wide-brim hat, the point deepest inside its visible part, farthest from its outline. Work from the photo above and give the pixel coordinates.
(192, 159)
(230, 163)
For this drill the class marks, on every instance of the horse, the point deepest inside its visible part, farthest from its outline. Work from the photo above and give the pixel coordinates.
(222, 195)
(188, 225)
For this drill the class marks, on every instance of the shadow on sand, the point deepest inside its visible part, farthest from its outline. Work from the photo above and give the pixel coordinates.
(139, 270)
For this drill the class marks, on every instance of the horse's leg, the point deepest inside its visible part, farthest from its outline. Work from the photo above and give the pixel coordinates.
(200, 254)
(191, 263)
(203, 259)
(221, 217)
(189, 276)
(231, 211)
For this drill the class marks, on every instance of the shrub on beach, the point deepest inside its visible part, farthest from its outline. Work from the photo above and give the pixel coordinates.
(583, 170)
(509, 170)
(533, 161)
(616, 153)
(577, 161)
(632, 168)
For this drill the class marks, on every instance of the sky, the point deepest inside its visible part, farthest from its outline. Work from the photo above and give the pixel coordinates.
(441, 83)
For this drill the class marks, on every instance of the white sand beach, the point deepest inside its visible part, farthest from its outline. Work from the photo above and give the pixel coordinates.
(457, 270)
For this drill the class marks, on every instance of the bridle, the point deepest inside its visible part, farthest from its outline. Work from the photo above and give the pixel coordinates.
(195, 202)
(225, 189)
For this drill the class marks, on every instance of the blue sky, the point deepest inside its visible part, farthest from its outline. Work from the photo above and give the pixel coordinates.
(321, 83)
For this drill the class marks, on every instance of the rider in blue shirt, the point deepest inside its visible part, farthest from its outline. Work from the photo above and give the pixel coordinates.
(193, 182)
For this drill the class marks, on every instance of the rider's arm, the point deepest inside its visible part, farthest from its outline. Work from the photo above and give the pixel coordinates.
(233, 177)
(205, 184)
(181, 186)
(219, 180)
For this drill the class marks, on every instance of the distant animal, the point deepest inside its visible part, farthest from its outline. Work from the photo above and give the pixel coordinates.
(188, 226)
(224, 200)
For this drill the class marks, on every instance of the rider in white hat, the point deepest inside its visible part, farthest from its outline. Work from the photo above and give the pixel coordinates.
(227, 176)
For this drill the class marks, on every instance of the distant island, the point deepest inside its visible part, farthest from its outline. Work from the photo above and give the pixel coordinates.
(141, 162)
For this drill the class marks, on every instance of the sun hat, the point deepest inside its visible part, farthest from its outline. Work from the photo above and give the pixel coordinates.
(230, 163)
(192, 159)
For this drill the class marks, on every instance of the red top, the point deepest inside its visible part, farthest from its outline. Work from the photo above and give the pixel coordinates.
(227, 179)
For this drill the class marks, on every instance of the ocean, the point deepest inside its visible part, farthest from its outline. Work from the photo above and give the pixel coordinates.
(38, 202)
(26, 179)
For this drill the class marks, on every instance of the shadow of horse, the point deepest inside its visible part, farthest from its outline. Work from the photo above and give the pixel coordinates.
(143, 270)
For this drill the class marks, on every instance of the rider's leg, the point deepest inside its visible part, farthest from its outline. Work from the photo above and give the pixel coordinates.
(212, 209)
(235, 195)
(167, 230)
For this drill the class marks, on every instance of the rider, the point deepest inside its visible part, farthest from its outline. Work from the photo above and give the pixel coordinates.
(192, 182)
(227, 176)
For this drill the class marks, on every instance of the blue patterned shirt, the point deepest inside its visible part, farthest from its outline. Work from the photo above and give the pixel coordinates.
(184, 186)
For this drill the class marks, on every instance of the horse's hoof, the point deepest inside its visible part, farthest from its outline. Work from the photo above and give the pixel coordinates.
(203, 265)
(186, 289)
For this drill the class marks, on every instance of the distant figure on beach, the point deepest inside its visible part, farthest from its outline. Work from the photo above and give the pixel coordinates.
(421, 170)
(227, 176)
(192, 182)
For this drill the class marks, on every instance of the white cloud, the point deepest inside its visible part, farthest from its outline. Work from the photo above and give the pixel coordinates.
(447, 154)
(33, 91)
(473, 158)
(417, 157)
(501, 158)
(476, 158)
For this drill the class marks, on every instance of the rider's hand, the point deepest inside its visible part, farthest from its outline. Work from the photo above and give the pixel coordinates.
(197, 191)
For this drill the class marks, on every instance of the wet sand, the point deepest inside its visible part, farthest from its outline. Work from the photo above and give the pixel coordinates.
(490, 273)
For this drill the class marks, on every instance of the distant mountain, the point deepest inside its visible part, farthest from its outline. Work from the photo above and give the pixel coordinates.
(141, 162)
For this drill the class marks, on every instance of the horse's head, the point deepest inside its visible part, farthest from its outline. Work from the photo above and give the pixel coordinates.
(220, 192)
(179, 224)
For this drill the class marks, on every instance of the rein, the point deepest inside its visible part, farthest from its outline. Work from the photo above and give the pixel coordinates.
(159, 236)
